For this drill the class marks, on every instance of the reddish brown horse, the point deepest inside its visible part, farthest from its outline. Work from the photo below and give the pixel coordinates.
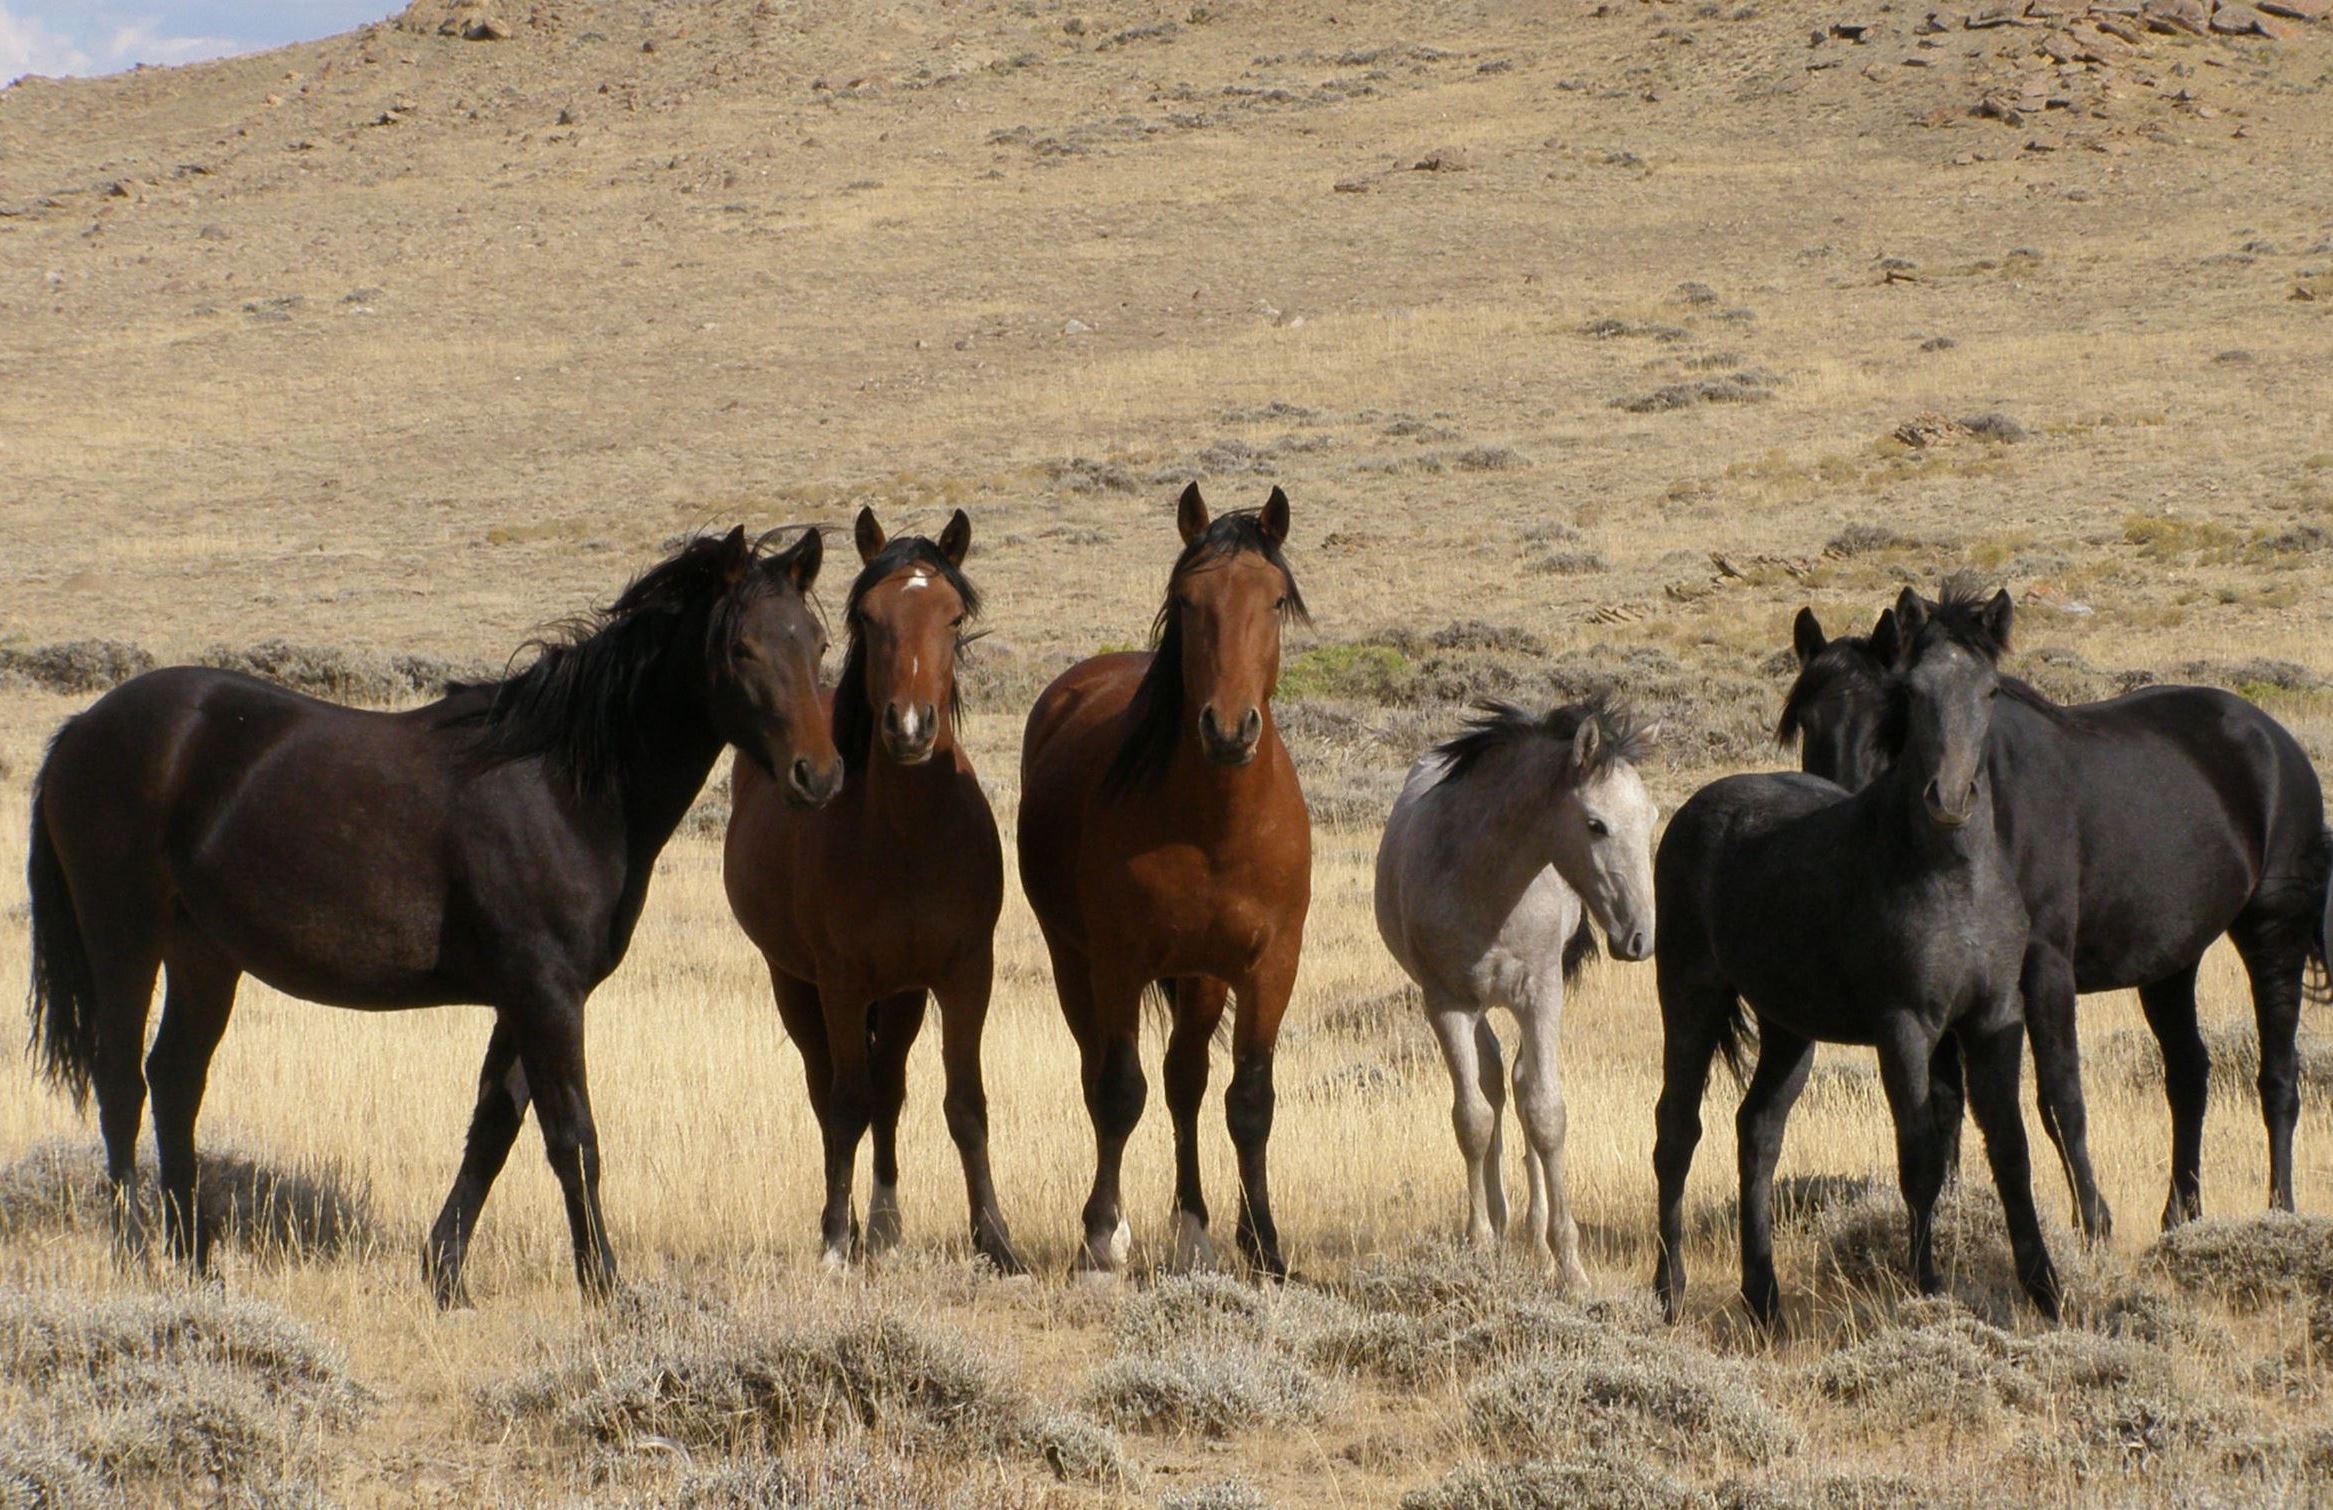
(1163, 838)
(889, 892)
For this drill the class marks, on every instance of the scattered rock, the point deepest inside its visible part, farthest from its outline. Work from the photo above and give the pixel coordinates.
(1076, 328)
(1351, 186)
(1444, 160)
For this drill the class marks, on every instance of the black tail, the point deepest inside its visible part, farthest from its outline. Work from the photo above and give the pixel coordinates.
(2317, 984)
(64, 993)
(1735, 1037)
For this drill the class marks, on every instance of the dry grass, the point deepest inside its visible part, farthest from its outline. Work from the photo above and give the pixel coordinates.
(369, 403)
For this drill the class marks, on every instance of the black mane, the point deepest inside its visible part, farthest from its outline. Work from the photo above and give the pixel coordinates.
(1157, 708)
(577, 703)
(854, 720)
(1497, 725)
(1958, 613)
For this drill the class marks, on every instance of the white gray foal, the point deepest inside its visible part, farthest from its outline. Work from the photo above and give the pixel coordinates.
(1497, 838)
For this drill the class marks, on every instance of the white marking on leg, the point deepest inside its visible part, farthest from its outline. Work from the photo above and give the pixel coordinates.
(1121, 1243)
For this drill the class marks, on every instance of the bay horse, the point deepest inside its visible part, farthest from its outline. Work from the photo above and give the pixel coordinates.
(890, 892)
(2140, 829)
(492, 847)
(1164, 839)
(1504, 842)
(1889, 916)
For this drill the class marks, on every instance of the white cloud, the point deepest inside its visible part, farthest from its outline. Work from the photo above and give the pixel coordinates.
(143, 42)
(26, 46)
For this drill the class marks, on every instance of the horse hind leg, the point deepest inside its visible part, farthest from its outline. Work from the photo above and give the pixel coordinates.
(198, 998)
(2170, 1007)
(1198, 1009)
(892, 1025)
(2275, 952)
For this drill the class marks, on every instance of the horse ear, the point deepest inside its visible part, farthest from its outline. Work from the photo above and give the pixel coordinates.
(868, 534)
(1274, 518)
(799, 565)
(956, 539)
(1191, 514)
(1586, 743)
(1806, 636)
(1886, 640)
(1911, 613)
(736, 557)
(1997, 614)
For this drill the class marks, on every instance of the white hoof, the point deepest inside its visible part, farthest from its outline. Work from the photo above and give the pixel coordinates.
(835, 1262)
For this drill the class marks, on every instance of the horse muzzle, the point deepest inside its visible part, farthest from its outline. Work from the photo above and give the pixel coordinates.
(1944, 816)
(910, 734)
(1636, 944)
(1230, 747)
(808, 787)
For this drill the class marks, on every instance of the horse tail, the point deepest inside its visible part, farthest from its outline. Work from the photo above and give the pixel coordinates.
(63, 997)
(2317, 984)
(1578, 949)
(1736, 1035)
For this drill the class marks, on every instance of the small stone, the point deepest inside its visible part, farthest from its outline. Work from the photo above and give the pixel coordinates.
(2296, 10)
(1075, 26)
(1076, 328)
(1444, 160)
(1351, 186)
(2187, 16)
(486, 29)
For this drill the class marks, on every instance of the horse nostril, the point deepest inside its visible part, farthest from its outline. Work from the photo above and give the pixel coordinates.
(1251, 728)
(891, 718)
(805, 779)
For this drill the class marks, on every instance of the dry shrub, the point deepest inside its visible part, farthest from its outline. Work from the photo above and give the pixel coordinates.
(1617, 1483)
(347, 676)
(2132, 1057)
(1213, 1389)
(1184, 1308)
(314, 1209)
(41, 1475)
(1223, 1494)
(840, 1475)
(2250, 1261)
(1864, 1245)
(1691, 1407)
(166, 1392)
(1841, 1491)
(75, 666)
(689, 1369)
(1941, 1364)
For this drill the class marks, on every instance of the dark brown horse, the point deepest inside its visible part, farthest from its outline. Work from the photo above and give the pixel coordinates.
(887, 893)
(492, 847)
(1163, 838)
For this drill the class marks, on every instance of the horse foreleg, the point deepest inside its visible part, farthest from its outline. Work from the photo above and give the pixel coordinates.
(893, 1024)
(963, 1016)
(550, 1047)
(1993, 1056)
(1108, 1030)
(850, 1097)
(1474, 1114)
(2170, 1007)
(2048, 989)
(198, 997)
(1248, 1101)
(1907, 1049)
(494, 1125)
(1693, 1017)
(1783, 1061)
(1198, 1008)
(1555, 1237)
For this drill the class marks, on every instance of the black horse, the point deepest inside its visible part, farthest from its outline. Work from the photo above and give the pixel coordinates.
(2140, 830)
(1887, 917)
(492, 847)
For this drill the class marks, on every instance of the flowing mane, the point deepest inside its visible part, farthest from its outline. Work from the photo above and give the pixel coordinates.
(576, 704)
(1498, 725)
(1157, 709)
(854, 720)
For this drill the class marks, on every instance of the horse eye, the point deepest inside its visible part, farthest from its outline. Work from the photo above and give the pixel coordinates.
(1597, 827)
(743, 650)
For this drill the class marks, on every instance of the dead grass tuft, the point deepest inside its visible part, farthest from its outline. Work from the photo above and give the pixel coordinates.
(165, 1392)
(75, 666)
(2250, 1261)
(667, 1364)
(1690, 1407)
(344, 676)
(1539, 1484)
(41, 1475)
(840, 1475)
(1211, 1390)
(1864, 1244)
(1223, 1494)
(311, 1210)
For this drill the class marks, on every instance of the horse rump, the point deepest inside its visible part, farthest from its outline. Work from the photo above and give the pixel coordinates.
(63, 996)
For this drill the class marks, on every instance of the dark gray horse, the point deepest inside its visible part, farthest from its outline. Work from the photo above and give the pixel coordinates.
(1887, 917)
(2140, 829)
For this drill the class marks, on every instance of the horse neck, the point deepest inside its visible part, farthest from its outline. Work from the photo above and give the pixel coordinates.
(673, 747)
(1503, 814)
(1197, 786)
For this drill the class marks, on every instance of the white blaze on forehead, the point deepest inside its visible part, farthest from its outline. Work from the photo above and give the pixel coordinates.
(915, 579)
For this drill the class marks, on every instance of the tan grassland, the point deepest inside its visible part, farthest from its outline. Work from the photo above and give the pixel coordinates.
(397, 343)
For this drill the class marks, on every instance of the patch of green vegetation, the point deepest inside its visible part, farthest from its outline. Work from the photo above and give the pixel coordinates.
(1363, 671)
(2162, 537)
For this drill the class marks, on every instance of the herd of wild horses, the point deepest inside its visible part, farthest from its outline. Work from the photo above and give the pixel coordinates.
(1960, 859)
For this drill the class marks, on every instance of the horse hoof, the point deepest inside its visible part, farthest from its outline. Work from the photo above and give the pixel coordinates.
(834, 1262)
(1088, 1277)
(1194, 1249)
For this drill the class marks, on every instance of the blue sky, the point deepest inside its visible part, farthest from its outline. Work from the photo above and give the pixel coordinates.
(104, 36)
